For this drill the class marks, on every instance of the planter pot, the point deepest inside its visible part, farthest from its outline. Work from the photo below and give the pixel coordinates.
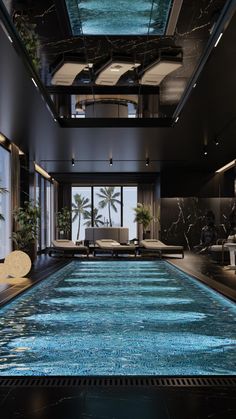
(32, 251)
(146, 235)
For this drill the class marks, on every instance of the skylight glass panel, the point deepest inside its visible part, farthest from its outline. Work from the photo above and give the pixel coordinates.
(119, 17)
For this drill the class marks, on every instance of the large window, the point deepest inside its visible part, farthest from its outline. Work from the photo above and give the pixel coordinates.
(130, 197)
(103, 206)
(107, 204)
(5, 203)
(81, 211)
(44, 198)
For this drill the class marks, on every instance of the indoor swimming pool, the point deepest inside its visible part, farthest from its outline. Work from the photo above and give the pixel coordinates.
(118, 318)
(120, 17)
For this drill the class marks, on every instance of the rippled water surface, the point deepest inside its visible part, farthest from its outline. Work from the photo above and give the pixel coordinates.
(119, 17)
(118, 318)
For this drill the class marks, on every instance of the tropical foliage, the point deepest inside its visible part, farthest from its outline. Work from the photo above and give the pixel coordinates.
(27, 225)
(109, 198)
(63, 221)
(26, 30)
(143, 215)
(78, 209)
(93, 218)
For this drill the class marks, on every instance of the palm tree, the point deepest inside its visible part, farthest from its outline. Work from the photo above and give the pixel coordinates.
(96, 218)
(78, 208)
(2, 191)
(109, 198)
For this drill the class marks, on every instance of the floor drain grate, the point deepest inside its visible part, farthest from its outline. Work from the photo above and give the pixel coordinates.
(216, 381)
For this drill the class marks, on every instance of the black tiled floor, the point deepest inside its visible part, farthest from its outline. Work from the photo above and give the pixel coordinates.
(117, 403)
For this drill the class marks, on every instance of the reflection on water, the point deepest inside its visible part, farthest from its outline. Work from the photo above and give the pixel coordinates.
(118, 318)
(120, 17)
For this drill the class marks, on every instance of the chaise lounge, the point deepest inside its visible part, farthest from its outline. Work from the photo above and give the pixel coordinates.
(159, 248)
(113, 247)
(67, 247)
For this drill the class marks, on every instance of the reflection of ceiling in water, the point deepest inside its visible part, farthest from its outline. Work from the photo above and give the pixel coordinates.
(119, 17)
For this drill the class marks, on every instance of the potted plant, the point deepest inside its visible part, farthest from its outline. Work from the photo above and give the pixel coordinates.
(26, 234)
(143, 216)
(63, 222)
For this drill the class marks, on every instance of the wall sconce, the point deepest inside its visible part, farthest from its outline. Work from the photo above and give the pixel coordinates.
(147, 162)
(73, 162)
(111, 162)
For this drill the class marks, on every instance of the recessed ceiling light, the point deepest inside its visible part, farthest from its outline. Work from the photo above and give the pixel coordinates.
(218, 39)
(112, 72)
(66, 72)
(34, 82)
(205, 152)
(216, 141)
(157, 71)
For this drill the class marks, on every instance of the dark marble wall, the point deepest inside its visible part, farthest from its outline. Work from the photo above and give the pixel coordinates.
(183, 218)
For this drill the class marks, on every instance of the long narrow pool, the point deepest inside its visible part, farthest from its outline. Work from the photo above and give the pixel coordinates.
(118, 318)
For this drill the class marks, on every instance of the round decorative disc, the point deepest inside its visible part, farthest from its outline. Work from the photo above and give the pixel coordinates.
(17, 264)
(3, 272)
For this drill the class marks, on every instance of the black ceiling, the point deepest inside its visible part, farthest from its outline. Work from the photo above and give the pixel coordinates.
(210, 111)
(48, 24)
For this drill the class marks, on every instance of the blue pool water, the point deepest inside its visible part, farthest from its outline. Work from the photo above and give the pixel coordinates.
(119, 17)
(118, 318)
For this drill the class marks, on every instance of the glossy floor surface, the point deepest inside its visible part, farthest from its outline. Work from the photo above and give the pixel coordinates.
(117, 403)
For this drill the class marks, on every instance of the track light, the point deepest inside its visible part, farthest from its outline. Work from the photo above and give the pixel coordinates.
(73, 162)
(216, 141)
(147, 162)
(111, 161)
(205, 152)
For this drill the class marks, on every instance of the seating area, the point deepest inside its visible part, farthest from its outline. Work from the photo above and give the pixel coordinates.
(110, 247)
(67, 247)
(119, 234)
(114, 248)
(157, 247)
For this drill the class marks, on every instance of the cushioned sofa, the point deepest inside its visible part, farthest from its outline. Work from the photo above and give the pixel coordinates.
(119, 234)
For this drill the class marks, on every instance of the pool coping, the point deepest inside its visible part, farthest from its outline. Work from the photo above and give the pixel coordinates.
(12, 291)
(206, 280)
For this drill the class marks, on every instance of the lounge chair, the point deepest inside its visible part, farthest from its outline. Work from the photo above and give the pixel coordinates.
(159, 248)
(67, 247)
(113, 247)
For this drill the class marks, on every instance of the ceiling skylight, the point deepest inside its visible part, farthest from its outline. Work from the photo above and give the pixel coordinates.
(119, 17)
